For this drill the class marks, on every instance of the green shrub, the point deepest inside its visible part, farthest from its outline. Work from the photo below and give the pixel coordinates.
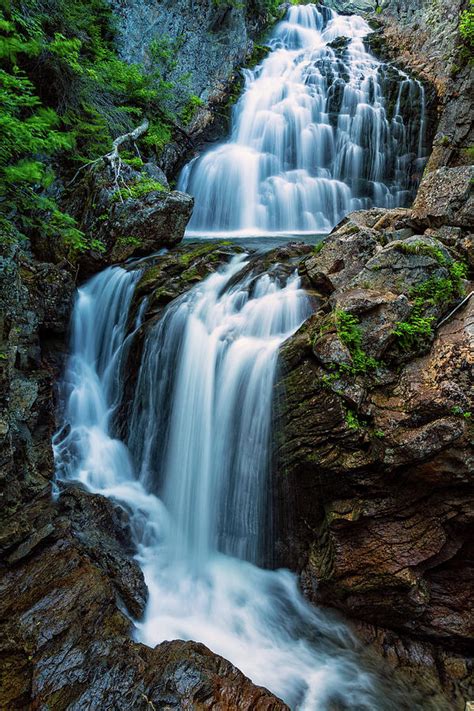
(64, 96)
(466, 25)
(190, 108)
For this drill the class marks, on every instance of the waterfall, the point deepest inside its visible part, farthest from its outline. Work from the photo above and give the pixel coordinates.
(322, 128)
(193, 475)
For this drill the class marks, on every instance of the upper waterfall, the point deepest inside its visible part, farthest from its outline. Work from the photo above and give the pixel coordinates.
(322, 128)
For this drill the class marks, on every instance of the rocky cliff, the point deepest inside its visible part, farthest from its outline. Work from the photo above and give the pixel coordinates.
(69, 587)
(203, 44)
(376, 464)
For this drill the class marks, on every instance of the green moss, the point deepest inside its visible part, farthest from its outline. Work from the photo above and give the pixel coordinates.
(259, 53)
(201, 251)
(416, 332)
(421, 248)
(191, 274)
(350, 334)
(138, 189)
(128, 242)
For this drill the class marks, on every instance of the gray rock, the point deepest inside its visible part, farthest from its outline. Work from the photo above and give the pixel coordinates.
(156, 173)
(445, 197)
(352, 7)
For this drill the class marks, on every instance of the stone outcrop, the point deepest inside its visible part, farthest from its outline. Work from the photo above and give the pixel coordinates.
(132, 216)
(446, 197)
(376, 466)
(424, 37)
(66, 601)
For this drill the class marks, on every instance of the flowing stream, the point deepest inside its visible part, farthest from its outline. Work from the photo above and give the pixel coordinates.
(193, 475)
(322, 128)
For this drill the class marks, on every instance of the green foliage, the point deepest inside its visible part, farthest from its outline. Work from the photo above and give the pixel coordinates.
(259, 52)
(422, 248)
(414, 333)
(417, 331)
(190, 108)
(466, 25)
(129, 241)
(138, 189)
(350, 334)
(64, 96)
(353, 421)
(157, 136)
(459, 411)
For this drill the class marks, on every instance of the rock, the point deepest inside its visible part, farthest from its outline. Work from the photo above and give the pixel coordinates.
(137, 218)
(377, 313)
(206, 42)
(424, 38)
(341, 257)
(155, 221)
(66, 636)
(155, 173)
(352, 7)
(375, 467)
(445, 197)
(403, 265)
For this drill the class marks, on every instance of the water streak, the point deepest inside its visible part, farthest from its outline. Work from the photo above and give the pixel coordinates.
(194, 475)
(322, 128)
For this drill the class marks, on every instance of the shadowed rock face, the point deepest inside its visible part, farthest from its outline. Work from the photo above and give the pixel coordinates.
(376, 468)
(424, 37)
(65, 605)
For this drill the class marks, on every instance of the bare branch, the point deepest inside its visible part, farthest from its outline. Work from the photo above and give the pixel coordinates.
(113, 157)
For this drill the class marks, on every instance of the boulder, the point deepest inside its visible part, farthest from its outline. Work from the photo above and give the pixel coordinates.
(135, 216)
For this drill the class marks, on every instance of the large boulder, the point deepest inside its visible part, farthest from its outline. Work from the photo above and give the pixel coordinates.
(133, 215)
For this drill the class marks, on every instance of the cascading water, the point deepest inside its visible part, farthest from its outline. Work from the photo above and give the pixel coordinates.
(318, 132)
(193, 476)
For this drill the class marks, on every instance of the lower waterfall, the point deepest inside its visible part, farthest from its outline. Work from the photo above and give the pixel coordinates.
(193, 476)
(322, 128)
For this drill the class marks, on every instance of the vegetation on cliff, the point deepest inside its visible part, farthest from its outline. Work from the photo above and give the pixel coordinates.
(65, 95)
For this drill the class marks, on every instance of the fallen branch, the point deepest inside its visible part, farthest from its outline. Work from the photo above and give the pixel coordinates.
(113, 157)
(451, 313)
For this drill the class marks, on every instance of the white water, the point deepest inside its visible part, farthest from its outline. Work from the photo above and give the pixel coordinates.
(315, 135)
(194, 476)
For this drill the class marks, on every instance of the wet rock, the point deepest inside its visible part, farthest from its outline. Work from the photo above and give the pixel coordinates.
(424, 38)
(402, 265)
(208, 42)
(352, 7)
(341, 257)
(445, 197)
